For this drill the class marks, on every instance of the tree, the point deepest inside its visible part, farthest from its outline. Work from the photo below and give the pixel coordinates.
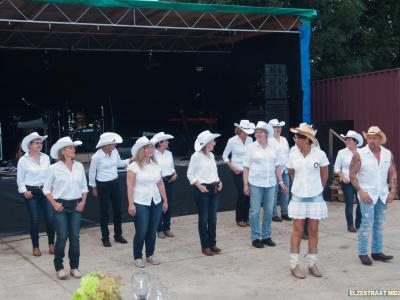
(349, 36)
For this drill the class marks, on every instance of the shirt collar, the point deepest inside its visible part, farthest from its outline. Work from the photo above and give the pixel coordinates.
(30, 157)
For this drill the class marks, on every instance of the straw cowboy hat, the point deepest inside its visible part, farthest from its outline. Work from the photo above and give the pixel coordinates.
(246, 126)
(265, 126)
(375, 130)
(354, 135)
(161, 136)
(108, 138)
(307, 131)
(29, 138)
(276, 123)
(62, 143)
(203, 138)
(140, 143)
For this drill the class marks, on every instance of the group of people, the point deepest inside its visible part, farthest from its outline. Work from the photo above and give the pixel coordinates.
(265, 172)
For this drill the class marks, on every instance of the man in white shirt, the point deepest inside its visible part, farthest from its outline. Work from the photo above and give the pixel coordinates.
(370, 169)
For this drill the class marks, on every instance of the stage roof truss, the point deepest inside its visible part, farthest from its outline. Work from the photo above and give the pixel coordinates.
(52, 25)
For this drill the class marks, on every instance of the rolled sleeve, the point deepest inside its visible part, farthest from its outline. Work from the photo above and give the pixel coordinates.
(84, 181)
(191, 170)
(324, 160)
(227, 151)
(93, 171)
(21, 178)
(338, 163)
(247, 158)
(47, 187)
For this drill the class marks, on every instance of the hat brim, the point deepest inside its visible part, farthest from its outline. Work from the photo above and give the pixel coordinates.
(280, 124)
(269, 130)
(117, 139)
(198, 146)
(58, 146)
(306, 134)
(29, 138)
(135, 148)
(246, 130)
(165, 137)
(358, 138)
(381, 134)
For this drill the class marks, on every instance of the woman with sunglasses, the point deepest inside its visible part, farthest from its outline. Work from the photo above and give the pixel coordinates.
(308, 169)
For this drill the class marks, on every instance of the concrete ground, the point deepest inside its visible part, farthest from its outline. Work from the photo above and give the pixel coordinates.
(240, 272)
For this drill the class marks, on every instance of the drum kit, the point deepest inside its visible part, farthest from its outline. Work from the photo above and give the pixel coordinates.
(84, 128)
(78, 125)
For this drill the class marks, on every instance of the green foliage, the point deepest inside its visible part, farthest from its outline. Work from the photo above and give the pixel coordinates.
(349, 36)
(99, 286)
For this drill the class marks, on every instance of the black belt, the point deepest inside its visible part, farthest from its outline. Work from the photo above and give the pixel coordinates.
(167, 178)
(34, 188)
(62, 201)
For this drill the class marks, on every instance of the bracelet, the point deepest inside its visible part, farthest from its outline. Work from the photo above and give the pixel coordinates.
(281, 182)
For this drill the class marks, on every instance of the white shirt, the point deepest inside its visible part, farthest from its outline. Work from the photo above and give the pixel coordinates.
(104, 167)
(237, 149)
(202, 168)
(342, 163)
(64, 184)
(307, 178)
(373, 177)
(146, 188)
(261, 163)
(283, 152)
(30, 172)
(165, 161)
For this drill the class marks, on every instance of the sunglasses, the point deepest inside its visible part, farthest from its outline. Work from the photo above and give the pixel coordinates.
(299, 137)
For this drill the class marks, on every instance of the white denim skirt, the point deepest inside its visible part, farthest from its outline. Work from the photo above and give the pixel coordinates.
(309, 207)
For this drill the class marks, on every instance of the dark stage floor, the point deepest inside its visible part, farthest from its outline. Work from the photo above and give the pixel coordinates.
(14, 215)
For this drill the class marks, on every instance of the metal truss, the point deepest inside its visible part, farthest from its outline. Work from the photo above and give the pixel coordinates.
(37, 25)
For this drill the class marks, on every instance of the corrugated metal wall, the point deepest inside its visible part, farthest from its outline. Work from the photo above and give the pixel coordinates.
(368, 99)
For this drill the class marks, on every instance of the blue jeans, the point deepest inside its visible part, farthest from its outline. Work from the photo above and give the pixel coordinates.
(349, 193)
(372, 216)
(35, 204)
(207, 206)
(165, 222)
(260, 196)
(68, 224)
(281, 198)
(146, 222)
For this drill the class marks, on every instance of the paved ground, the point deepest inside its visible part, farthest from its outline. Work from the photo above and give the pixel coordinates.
(240, 272)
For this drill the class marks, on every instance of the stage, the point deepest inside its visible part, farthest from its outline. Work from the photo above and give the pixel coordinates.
(14, 214)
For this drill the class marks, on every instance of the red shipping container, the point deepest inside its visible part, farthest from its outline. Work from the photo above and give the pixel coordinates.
(368, 99)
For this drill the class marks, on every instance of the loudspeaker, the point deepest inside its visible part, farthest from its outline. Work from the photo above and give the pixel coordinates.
(275, 81)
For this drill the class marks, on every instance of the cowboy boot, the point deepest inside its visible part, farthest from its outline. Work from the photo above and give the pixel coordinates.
(294, 264)
(312, 258)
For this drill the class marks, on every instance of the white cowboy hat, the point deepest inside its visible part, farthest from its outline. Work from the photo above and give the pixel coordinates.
(29, 138)
(62, 143)
(276, 123)
(203, 138)
(306, 130)
(354, 135)
(375, 130)
(108, 138)
(246, 126)
(161, 136)
(265, 126)
(140, 143)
